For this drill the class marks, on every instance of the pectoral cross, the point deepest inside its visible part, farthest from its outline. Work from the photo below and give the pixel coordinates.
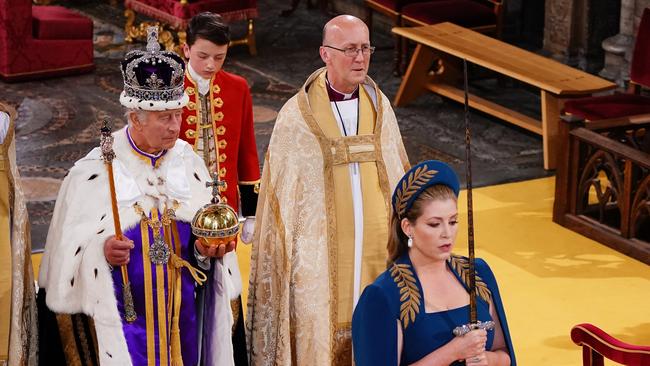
(215, 184)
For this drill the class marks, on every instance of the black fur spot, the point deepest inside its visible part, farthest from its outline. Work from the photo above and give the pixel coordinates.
(78, 250)
(92, 177)
(100, 231)
(72, 282)
(150, 104)
(103, 216)
(197, 177)
(109, 355)
(95, 272)
(230, 273)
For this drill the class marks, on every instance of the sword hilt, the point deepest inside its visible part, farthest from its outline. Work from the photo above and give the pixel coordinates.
(461, 330)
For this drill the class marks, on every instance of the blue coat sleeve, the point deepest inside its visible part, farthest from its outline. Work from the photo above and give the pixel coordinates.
(484, 271)
(374, 330)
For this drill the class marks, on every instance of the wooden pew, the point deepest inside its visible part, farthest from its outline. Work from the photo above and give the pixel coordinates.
(447, 43)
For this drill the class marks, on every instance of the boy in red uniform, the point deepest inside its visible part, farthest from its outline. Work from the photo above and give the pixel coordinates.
(218, 122)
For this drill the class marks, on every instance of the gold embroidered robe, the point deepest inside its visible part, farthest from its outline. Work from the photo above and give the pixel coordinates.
(19, 341)
(301, 284)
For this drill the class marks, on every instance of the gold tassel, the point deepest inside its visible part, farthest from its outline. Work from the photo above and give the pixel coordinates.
(199, 277)
(177, 358)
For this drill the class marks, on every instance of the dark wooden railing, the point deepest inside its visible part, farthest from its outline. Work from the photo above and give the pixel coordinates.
(602, 187)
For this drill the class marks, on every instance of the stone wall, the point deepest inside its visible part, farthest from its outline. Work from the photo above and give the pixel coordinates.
(575, 29)
(594, 35)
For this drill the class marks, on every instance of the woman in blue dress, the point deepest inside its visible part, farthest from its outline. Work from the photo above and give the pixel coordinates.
(406, 317)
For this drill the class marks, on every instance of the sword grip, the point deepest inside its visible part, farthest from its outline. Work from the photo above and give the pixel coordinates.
(461, 330)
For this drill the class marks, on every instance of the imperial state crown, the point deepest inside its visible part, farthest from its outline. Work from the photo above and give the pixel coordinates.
(153, 79)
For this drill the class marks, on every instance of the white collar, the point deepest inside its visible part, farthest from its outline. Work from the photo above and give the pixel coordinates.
(203, 83)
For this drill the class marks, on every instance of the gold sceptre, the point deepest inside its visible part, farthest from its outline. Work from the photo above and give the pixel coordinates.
(108, 155)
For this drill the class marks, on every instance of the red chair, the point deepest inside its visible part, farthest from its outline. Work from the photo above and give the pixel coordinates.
(393, 10)
(484, 16)
(597, 345)
(481, 16)
(43, 41)
(177, 14)
(621, 104)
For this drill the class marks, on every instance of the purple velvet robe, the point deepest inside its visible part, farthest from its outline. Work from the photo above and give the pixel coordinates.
(136, 332)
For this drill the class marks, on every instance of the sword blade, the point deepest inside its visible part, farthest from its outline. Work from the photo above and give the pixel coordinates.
(470, 212)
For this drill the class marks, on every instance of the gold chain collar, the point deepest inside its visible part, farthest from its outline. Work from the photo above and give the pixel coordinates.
(165, 219)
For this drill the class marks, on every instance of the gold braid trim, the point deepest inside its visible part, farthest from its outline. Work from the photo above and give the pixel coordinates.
(460, 265)
(410, 186)
(409, 292)
(175, 334)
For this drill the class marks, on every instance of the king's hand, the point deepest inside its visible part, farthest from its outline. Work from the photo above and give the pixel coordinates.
(117, 252)
(215, 251)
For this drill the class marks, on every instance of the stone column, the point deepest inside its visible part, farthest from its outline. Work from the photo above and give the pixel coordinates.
(619, 47)
(559, 29)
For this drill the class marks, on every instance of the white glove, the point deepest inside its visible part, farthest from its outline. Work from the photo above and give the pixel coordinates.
(247, 230)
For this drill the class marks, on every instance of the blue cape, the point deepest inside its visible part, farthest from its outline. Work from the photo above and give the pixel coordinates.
(386, 301)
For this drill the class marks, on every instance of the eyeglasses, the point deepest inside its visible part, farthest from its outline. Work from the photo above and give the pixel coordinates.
(353, 51)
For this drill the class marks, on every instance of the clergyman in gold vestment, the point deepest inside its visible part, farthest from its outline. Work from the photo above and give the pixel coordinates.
(18, 323)
(322, 216)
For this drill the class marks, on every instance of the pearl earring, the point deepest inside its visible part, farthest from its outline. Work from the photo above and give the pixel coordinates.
(410, 242)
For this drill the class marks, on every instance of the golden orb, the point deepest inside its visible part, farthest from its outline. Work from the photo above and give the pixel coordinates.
(215, 224)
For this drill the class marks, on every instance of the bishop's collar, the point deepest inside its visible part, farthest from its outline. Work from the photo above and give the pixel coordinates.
(337, 96)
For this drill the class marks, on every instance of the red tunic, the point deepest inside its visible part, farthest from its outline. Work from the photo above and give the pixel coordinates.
(231, 121)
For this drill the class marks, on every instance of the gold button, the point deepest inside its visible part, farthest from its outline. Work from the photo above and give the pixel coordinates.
(222, 172)
(221, 130)
(191, 106)
(216, 89)
(190, 134)
(190, 90)
(191, 120)
(224, 187)
(224, 199)
(222, 144)
(218, 102)
(222, 158)
(218, 116)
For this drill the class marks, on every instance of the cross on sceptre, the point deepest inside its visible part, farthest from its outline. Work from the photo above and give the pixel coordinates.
(215, 184)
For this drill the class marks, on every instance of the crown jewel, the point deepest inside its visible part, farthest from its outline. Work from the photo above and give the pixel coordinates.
(153, 79)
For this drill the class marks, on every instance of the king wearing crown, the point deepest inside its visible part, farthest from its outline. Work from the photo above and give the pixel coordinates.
(120, 249)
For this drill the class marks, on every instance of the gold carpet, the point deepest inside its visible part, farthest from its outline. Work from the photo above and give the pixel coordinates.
(550, 278)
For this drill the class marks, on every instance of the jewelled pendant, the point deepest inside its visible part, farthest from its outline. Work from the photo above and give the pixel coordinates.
(159, 251)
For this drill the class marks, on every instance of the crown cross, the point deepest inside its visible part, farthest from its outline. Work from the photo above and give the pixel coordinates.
(215, 184)
(152, 39)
